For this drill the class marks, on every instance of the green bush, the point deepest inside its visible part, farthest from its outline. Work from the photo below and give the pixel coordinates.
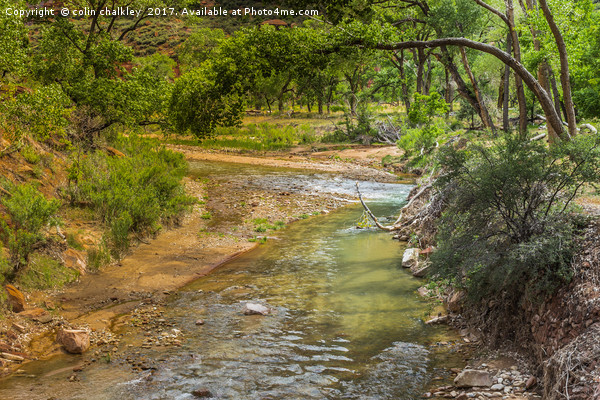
(119, 234)
(136, 192)
(420, 140)
(97, 257)
(509, 226)
(44, 272)
(29, 212)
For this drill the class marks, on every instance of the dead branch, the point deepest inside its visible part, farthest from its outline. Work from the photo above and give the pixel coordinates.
(385, 228)
(412, 200)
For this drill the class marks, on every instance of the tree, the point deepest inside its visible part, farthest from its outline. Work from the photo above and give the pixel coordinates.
(397, 34)
(89, 63)
(13, 39)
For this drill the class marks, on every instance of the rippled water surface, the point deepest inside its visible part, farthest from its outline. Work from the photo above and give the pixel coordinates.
(346, 320)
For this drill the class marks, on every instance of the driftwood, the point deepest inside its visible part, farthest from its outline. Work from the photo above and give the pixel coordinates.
(590, 127)
(399, 224)
(371, 215)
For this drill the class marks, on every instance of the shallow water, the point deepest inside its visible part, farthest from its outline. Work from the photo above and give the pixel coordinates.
(346, 320)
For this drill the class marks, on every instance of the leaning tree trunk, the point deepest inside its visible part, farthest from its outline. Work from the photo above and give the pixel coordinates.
(505, 119)
(510, 15)
(463, 90)
(485, 115)
(564, 67)
(542, 70)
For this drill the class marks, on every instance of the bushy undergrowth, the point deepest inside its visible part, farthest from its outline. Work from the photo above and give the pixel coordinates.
(135, 193)
(509, 225)
(28, 211)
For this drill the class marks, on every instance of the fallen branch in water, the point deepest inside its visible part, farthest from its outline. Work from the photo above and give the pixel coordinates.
(371, 215)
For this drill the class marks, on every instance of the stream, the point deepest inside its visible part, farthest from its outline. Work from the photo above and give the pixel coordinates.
(346, 321)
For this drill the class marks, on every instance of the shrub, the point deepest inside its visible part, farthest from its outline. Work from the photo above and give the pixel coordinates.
(508, 228)
(134, 193)
(420, 140)
(97, 257)
(29, 212)
(44, 272)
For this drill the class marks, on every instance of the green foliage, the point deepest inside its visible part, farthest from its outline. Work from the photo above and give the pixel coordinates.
(29, 212)
(98, 257)
(43, 112)
(13, 38)
(44, 272)
(199, 103)
(73, 242)
(419, 139)
(132, 193)
(119, 234)
(6, 269)
(200, 46)
(263, 225)
(30, 155)
(425, 107)
(508, 229)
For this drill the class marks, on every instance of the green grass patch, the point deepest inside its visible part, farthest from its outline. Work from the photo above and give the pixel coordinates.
(44, 272)
(263, 225)
(97, 257)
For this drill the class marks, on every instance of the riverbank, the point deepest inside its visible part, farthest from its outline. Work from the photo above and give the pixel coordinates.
(226, 222)
(555, 340)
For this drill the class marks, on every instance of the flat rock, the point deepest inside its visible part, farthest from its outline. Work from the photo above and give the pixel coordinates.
(16, 299)
(255, 309)
(410, 258)
(75, 260)
(202, 393)
(473, 378)
(75, 341)
(37, 314)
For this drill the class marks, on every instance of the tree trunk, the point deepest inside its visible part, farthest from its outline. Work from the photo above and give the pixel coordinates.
(399, 64)
(485, 115)
(463, 90)
(505, 119)
(427, 83)
(447, 92)
(420, 69)
(510, 15)
(552, 79)
(542, 72)
(564, 68)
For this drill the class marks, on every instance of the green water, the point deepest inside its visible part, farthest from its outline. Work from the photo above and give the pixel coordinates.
(346, 322)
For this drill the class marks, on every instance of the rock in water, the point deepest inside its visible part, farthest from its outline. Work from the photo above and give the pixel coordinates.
(410, 258)
(255, 309)
(75, 341)
(473, 378)
(202, 393)
(16, 299)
